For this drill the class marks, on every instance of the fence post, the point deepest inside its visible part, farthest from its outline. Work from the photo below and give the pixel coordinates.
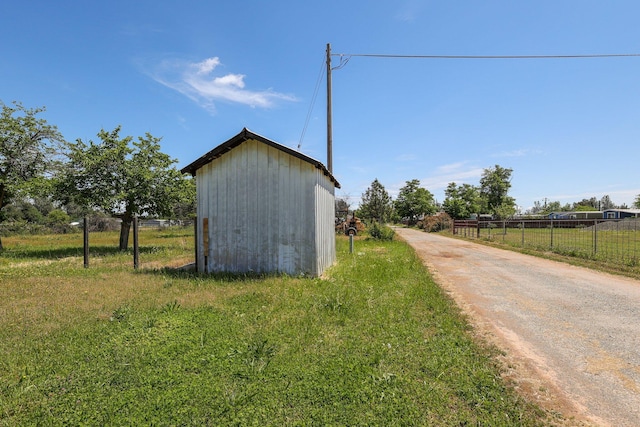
(595, 236)
(552, 234)
(522, 223)
(85, 233)
(136, 248)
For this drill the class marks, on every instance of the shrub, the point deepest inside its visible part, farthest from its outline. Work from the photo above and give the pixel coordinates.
(381, 232)
(21, 228)
(59, 222)
(435, 223)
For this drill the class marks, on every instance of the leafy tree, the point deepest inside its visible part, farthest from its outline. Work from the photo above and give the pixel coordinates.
(22, 210)
(27, 150)
(536, 208)
(548, 207)
(124, 178)
(636, 202)
(607, 203)
(342, 207)
(75, 211)
(376, 204)
(43, 204)
(555, 206)
(586, 205)
(495, 184)
(186, 206)
(414, 201)
(461, 200)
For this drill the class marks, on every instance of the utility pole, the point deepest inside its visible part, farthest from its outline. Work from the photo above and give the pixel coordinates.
(329, 114)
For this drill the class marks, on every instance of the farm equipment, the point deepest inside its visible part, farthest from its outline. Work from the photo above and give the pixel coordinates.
(350, 225)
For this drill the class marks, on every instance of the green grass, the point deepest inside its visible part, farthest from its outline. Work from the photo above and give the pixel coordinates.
(374, 342)
(606, 249)
(616, 252)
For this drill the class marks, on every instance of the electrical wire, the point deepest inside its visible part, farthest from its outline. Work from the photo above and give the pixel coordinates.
(313, 102)
(344, 59)
(373, 55)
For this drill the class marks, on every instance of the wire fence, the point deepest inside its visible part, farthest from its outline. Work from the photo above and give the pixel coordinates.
(615, 241)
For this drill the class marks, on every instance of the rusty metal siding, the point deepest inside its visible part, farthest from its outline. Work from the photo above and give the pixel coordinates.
(268, 211)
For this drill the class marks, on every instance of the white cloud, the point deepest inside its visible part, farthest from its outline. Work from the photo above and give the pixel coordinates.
(207, 66)
(197, 81)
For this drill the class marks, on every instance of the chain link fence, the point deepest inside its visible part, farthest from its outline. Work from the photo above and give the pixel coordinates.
(616, 241)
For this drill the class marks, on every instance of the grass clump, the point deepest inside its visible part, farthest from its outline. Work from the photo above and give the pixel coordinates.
(374, 342)
(379, 231)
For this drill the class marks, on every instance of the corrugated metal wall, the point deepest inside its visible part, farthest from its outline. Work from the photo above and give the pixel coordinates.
(325, 222)
(267, 211)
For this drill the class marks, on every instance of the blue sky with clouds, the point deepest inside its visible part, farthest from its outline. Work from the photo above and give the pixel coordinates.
(196, 72)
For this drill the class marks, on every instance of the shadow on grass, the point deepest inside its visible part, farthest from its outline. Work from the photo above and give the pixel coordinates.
(59, 253)
(191, 273)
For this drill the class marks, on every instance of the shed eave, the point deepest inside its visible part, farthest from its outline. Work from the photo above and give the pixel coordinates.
(246, 135)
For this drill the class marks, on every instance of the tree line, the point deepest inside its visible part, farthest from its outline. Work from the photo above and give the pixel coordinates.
(414, 202)
(545, 207)
(462, 201)
(49, 180)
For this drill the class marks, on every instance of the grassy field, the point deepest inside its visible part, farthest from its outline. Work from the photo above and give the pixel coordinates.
(616, 249)
(374, 342)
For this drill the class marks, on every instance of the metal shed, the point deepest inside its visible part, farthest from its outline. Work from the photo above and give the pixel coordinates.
(264, 208)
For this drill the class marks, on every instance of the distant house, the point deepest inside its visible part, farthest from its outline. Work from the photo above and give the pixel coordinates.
(263, 207)
(576, 215)
(621, 213)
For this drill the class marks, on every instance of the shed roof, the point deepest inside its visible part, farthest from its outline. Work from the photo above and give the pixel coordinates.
(245, 135)
(630, 211)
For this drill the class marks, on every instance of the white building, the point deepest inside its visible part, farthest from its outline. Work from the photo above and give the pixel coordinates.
(264, 208)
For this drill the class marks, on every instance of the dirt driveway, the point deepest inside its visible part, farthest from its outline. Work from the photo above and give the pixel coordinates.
(571, 335)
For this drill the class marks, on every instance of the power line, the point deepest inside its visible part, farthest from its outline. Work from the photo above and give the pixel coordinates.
(313, 101)
(377, 55)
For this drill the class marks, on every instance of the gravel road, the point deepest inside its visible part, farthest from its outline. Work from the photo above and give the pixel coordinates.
(571, 335)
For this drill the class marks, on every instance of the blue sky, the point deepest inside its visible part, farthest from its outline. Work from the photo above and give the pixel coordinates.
(196, 72)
